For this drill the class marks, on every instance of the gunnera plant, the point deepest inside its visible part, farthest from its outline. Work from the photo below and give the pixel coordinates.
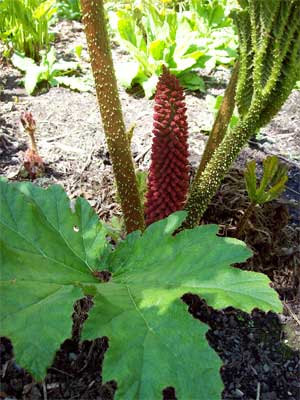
(269, 59)
(168, 180)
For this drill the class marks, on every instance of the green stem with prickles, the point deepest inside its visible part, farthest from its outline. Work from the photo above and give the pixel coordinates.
(269, 68)
(202, 191)
(221, 123)
(111, 113)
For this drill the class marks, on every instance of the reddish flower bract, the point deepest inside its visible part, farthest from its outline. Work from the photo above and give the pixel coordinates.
(28, 121)
(168, 180)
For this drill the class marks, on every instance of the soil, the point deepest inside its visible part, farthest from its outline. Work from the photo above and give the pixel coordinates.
(258, 364)
(260, 351)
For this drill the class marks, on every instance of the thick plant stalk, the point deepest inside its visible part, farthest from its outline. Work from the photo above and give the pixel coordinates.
(269, 68)
(111, 113)
(168, 180)
(221, 123)
(203, 190)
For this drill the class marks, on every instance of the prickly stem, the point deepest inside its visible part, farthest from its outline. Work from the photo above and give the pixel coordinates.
(261, 90)
(111, 113)
(221, 123)
(203, 190)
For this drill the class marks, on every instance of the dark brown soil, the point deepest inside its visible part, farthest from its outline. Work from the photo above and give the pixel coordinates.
(259, 351)
(257, 364)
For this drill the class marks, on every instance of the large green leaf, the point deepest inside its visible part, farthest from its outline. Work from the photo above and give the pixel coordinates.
(192, 81)
(153, 343)
(47, 252)
(73, 82)
(45, 8)
(21, 62)
(126, 28)
(32, 78)
(156, 49)
(149, 86)
(128, 72)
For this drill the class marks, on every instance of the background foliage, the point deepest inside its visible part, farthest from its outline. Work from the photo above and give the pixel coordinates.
(186, 38)
(69, 9)
(25, 25)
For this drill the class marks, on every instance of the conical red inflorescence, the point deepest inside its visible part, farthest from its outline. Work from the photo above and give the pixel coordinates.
(168, 180)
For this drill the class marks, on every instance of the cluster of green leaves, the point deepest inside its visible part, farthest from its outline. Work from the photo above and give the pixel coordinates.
(50, 256)
(49, 71)
(212, 19)
(272, 183)
(69, 9)
(183, 41)
(24, 25)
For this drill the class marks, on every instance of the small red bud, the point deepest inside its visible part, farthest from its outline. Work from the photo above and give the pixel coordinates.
(27, 121)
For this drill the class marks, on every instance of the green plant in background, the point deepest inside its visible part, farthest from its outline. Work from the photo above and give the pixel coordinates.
(211, 14)
(24, 25)
(211, 18)
(50, 71)
(153, 38)
(54, 255)
(272, 184)
(69, 9)
(269, 47)
(155, 33)
(78, 51)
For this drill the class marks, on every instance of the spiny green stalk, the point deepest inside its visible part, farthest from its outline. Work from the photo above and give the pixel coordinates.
(274, 44)
(221, 123)
(111, 113)
(244, 89)
(203, 190)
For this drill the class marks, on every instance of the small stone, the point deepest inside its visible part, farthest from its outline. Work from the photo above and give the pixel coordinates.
(266, 368)
(72, 356)
(271, 396)
(238, 393)
(35, 393)
(264, 387)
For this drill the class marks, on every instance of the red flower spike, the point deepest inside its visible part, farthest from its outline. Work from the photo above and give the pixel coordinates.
(168, 180)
